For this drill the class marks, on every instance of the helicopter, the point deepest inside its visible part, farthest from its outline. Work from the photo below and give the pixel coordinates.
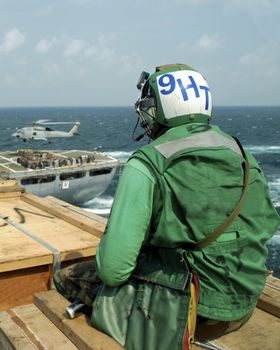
(39, 131)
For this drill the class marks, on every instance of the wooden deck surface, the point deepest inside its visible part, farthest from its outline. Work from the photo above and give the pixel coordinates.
(45, 325)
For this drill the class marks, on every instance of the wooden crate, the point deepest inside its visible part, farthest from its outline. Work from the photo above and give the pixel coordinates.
(25, 264)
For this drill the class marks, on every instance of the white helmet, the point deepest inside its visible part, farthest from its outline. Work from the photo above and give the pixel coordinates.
(175, 94)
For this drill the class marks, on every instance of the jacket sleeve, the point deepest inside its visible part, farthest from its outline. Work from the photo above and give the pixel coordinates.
(128, 225)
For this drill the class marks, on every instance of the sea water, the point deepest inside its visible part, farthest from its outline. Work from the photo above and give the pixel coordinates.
(110, 130)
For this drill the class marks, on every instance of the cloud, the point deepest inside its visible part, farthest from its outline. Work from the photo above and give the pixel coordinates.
(253, 8)
(107, 56)
(249, 3)
(8, 80)
(44, 45)
(184, 3)
(130, 63)
(101, 51)
(90, 51)
(44, 11)
(12, 40)
(267, 54)
(52, 68)
(251, 59)
(263, 59)
(105, 53)
(74, 48)
(80, 2)
(21, 62)
(208, 42)
(103, 39)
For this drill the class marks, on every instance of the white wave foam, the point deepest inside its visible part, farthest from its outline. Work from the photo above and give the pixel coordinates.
(100, 205)
(275, 181)
(274, 189)
(275, 239)
(121, 155)
(263, 149)
(100, 202)
(98, 211)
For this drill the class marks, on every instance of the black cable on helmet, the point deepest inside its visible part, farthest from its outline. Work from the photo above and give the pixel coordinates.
(138, 138)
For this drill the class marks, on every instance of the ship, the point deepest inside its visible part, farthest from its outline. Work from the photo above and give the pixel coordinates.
(74, 176)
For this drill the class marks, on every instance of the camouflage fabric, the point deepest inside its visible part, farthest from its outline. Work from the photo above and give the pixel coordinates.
(78, 281)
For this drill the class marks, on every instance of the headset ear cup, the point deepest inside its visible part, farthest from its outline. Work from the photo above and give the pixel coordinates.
(145, 106)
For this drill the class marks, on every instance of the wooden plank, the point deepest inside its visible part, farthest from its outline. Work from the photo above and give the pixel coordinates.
(78, 330)
(270, 298)
(27, 328)
(18, 287)
(7, 183)
(261, 332)
(273, 281)
(19, 251)
(10, 189)
(10, 186)
(11, 337)
(76, 209)
(39, 329)
(71, 241)
(87, 224)
(12, 194)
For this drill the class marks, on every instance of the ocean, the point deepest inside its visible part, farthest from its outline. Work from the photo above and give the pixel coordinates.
(110, 129)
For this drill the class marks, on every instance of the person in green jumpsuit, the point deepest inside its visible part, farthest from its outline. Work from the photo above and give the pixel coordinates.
(188, 183)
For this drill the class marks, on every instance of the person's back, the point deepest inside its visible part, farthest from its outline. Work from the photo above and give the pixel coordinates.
(191, 205)
(199, 180)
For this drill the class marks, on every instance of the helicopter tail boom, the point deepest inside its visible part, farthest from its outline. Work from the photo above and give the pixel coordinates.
(75, 129)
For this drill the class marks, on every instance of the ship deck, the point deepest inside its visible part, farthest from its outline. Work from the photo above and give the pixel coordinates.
(54, 160)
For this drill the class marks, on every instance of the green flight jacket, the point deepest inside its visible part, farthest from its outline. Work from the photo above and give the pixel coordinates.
(199, 171)
(176, 191)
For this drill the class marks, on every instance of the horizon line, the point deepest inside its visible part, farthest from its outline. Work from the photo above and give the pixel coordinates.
(129, 106)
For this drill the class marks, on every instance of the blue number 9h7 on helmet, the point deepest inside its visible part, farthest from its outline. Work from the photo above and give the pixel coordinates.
(175, 94)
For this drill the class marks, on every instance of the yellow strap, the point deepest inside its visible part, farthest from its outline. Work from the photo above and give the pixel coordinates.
(192, 314)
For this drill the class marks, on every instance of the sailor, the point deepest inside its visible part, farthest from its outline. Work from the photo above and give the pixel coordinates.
(189, 223)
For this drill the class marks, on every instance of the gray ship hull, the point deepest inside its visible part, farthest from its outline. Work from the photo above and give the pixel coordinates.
(76, 191)
(73, 176)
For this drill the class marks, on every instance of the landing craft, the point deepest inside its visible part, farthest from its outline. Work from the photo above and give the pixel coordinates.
(40, 131)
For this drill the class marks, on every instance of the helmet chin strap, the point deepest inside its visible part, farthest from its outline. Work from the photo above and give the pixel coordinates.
(143, 123)
(138, 138)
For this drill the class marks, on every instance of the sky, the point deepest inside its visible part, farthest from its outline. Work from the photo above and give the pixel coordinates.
(91, 52)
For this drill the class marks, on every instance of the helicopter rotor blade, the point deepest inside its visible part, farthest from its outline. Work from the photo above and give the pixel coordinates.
(40, 121)
(59, 123)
